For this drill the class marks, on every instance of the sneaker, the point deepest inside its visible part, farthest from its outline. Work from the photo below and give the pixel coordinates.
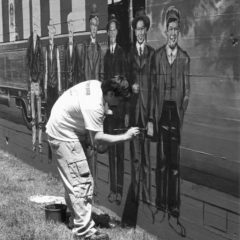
(98, 236)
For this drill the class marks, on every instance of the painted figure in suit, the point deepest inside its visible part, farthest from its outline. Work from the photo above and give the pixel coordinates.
(52, 83)
(90, 53)
(140, 78)
(35, 63)
(172, 89)
(90, 66)
(114, 65)
(70, 57)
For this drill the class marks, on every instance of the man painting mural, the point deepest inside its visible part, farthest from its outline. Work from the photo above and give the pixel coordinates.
(70, 57)
(140, 78)
(35, 63)
(172, 95)
(80, 109)
(115, 64)
(52, 84)
(90, 53)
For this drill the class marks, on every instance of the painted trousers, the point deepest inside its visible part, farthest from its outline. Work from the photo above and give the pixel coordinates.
(115, 154)
(141, 166)
(168, 157)
(36, 103)
(74, 171)
(52, 96)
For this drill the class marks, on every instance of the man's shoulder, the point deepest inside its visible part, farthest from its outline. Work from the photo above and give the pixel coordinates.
(161, 50)
(150, 48)
(183, 53)
(132, 51)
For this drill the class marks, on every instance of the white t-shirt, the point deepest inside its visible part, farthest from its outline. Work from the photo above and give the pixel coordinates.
(80, 108)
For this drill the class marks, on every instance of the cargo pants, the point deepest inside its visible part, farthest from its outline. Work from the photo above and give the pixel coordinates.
(74, 171)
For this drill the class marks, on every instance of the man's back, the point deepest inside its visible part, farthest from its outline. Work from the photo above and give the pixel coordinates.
(79, 108)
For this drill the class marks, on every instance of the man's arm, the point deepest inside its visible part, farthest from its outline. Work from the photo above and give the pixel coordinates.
(102, 140)
(59, 73)
(186, 83)
(46, 74)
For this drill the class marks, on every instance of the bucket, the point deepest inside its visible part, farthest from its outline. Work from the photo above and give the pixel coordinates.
(55, 212)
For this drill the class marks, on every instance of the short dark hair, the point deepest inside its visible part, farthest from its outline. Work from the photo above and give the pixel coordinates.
(172, 15)
(173, 20)
(119, 85)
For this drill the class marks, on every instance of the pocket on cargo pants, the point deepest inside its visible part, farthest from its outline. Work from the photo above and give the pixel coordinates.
(80, 175)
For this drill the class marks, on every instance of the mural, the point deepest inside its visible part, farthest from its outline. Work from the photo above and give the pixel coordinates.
(201, 124)
(206, 25)
(210, 35)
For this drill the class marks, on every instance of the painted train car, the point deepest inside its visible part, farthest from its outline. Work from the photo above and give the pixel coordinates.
(210, 34)
(16, 24)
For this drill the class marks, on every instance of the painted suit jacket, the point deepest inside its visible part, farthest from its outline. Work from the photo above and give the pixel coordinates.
(115, 64)
(70, 75)
(35, 62)
(140, 71)
(90, 64)
(51, 67)
(182, 62)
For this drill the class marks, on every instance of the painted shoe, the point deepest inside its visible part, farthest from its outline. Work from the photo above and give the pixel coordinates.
(40, 148)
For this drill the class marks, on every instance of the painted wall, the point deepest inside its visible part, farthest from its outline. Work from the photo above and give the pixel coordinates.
(210, 34)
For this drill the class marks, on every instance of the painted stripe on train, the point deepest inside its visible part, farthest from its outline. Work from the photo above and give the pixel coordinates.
(19, 19)
(66, 8)
(5, 21)
(54, 6)
(45, 16)
(26, 18)
(31, 13)
(12, 21)
(79, 11)
(1, 23)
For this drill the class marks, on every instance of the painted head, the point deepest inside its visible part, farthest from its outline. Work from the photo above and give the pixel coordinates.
(70, 22)
(35, 30)
(140, 25)
(172, 26)
(51, 31)
(94, 21)
(112, 28)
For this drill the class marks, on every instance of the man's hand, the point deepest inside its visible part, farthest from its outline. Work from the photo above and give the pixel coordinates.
(132, 133)
(135, 88)
(102, 148)
(150, 129)
(185, 103)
